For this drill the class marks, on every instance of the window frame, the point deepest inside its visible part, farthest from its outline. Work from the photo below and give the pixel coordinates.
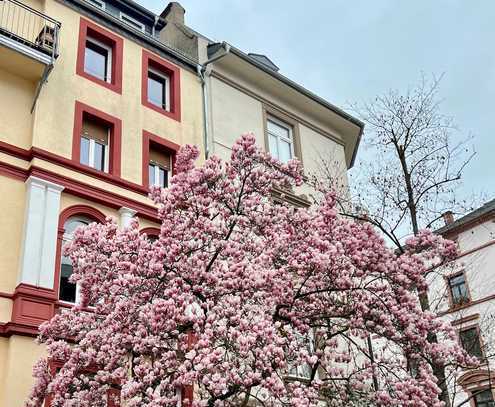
(166, 88)
(132, 22)
(289, 139)
(108, 62)
(285, 120)
(97, 3)
(113, 151)
(152, 141)
(476, 393)
(91, 155)
(480, 341)
(156, 174)
(97, 34)
(165, 68)
(452, 303)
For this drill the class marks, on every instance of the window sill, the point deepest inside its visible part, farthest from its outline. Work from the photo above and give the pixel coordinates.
(109, 85)
(174, 114)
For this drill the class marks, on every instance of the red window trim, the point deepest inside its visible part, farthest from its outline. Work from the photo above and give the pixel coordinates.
(53, 365)
(173, 72)
(75, 210)
(117, 43)
(168, 147)
(150, 231)
(115, 138)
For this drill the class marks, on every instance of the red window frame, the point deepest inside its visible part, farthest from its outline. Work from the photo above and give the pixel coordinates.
(173, 72)
(115, 138)
(151, 140)
(54, 365)
(87, 28)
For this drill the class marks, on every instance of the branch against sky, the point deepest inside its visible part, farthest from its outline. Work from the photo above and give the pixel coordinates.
(246, 300)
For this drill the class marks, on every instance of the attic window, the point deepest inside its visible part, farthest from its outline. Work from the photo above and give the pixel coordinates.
(132, 22)
(97, 3)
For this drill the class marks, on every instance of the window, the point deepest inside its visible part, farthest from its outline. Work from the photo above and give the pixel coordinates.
(99, 56)
(132, 22)
(159, 168)
(98, 60)
(280, 140)
(484, 399)
(159, 89)
(470, 341)
(158, 160)
(68, 291)
(97, 3)
(458, 289)
(94, 143)
(160, 86)
(303, 371)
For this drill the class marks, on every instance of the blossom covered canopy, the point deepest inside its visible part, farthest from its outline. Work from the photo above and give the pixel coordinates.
(246, 300)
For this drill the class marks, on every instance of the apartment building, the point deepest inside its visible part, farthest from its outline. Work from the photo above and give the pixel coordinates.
(465, 296)
(97, 97)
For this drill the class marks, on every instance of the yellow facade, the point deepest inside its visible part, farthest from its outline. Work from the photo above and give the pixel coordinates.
(39, 143)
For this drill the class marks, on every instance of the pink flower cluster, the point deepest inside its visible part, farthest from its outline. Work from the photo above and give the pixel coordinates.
(245, 300)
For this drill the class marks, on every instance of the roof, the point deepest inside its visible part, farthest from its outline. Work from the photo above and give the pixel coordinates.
(264, 60)
(484, 210)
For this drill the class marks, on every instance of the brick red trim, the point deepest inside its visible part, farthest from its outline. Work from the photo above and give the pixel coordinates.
(12, 171)
(152, 140)
(149, 59)
(116, 43)
(115, 136)
(35, 152)
(150, 231)
(31, 306)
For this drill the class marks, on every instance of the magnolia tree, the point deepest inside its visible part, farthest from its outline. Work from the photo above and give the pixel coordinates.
(245, 301)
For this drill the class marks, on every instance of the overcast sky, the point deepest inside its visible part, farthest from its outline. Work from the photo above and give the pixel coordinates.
(349, 51)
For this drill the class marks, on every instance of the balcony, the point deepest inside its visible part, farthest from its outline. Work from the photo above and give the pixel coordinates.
(28, 40)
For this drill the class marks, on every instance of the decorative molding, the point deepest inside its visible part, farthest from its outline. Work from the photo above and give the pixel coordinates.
(35, 152)
(126, 215)
(470, 304)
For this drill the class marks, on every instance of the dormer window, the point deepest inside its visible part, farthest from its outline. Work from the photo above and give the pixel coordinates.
(132, 22)
(97, 3)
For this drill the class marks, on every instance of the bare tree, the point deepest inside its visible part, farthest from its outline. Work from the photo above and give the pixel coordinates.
(413, 172)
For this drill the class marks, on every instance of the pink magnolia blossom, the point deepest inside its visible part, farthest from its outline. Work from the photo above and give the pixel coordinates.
(245, 299)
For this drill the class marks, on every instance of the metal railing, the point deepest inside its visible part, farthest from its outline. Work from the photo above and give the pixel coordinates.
(30, 27)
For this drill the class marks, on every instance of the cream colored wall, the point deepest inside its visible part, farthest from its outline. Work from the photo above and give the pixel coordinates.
(54, 117)
(15, 118)
(18, 354)
(12, 193)
(233, 112)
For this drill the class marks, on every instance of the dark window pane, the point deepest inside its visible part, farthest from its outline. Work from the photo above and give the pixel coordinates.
(484, 399)
(84, 151)
(95, 60)
(156, 90)
(470, 341)
(67, 289)
(99, 156)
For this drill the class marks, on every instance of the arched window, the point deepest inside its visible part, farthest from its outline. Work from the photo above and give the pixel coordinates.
(68, 291)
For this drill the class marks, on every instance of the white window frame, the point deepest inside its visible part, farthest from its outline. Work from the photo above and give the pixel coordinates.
(289, 140)
(67, 237)
(156, 173)
(109, 57)
(132, 22)
(167, 87)
(298, 372)
(91, 153)
(97, 3)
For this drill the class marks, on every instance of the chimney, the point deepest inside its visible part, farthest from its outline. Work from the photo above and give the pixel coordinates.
(448, 217)
(174, 13)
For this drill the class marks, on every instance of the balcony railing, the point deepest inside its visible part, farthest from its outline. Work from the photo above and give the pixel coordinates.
(25, 26)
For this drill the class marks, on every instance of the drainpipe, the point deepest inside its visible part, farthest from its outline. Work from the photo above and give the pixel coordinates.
(202, 73)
